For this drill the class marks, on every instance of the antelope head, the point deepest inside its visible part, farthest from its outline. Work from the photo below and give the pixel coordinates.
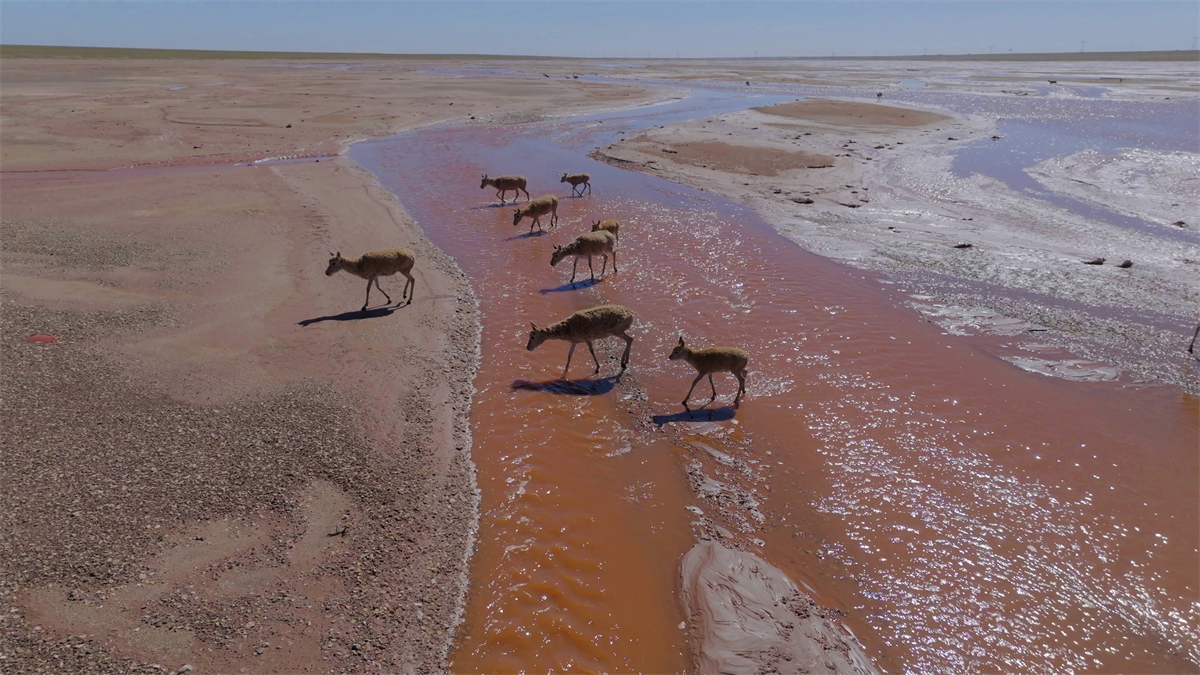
(680, 351)
(536, 337)
(335, 263)
(483, 183)
(559, 254)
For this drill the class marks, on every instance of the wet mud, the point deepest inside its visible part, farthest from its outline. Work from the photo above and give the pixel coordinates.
(951, 510)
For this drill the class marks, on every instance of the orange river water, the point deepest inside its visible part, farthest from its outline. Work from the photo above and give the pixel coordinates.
(954, 512)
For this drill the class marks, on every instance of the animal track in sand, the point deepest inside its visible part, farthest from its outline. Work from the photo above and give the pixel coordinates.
(212, 574)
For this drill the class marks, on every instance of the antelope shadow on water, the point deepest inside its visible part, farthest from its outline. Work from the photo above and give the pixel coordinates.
(526, 235)
(597, 386)
(702, 414)
(571, 286)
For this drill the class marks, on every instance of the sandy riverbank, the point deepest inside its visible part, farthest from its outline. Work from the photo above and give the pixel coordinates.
(870, 184)
(220, 463)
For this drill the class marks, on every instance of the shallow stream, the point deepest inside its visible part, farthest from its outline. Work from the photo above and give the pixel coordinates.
(957, 513)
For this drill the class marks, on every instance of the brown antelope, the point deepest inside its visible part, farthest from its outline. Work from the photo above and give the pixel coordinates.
(587, 325)
(536, 208)
(505, 183)
(374, 264)
(713, 360)
(613, 226)
(585, 246)
(575, 179)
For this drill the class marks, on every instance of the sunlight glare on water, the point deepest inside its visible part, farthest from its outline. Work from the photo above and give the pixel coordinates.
(959, 513)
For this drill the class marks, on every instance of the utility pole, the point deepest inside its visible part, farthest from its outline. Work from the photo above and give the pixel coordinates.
(989, 50)
(1081, 45)
(1194, 39)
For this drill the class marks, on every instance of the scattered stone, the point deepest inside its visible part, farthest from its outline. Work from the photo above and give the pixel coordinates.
(1179, 223)
(802, 200)
(1126, 265)
(964, 245)
(1094, 261)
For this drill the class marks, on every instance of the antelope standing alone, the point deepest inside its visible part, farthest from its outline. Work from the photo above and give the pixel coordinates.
(505, 183)
(374, 264)
(585, 246)
(613, 226)
(587, 325)
(536, 208)
(713, 360)
(575, 179)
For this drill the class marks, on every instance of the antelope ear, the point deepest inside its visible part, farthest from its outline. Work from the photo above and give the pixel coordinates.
(339, 254)
(534, 325)
(680, 340)
(331, 254)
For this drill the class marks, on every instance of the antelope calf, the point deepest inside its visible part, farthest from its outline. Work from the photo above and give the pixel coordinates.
(577, 179)
(505, 183)
(536, 208)
(374, 264)
(587, 325)
(585, 246)
(613, 226)
(713, 360)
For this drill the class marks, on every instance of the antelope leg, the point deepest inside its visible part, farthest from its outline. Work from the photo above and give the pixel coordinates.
(570, 352)
(389, 298)
(593, 351)
(689, 394)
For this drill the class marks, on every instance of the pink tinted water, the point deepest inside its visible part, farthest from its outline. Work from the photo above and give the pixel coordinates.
(964, 515)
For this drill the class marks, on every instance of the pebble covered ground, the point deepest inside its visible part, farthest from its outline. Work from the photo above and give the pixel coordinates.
(101, 471)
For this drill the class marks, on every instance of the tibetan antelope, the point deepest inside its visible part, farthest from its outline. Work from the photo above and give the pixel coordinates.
(374, 264)
(587, 325)
(576, 179)
(713, 360)
(505, 183)
(536, 208)
(585, 246)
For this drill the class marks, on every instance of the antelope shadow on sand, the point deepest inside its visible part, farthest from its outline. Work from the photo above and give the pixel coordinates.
(586, 387)
(373, 313)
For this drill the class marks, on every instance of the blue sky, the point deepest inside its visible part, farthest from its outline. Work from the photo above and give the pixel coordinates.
(611, 28)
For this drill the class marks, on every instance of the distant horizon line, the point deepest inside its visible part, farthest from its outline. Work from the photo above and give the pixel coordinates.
(68, 51)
